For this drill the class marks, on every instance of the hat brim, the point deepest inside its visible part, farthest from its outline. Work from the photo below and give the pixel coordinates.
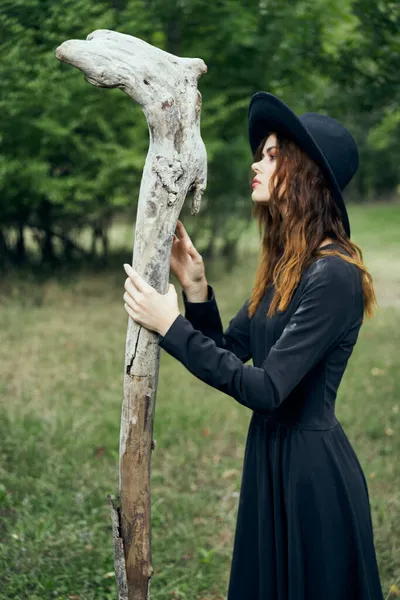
(268, 114)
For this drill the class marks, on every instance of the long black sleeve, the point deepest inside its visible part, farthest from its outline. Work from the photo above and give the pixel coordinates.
(323, 316)
(205, 317)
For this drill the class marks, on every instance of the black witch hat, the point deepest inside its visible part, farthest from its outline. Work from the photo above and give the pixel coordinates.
(323, 138)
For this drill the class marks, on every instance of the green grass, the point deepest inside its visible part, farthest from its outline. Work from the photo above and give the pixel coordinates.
(61, 374)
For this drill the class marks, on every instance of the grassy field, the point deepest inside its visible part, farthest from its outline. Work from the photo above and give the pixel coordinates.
(61, 363)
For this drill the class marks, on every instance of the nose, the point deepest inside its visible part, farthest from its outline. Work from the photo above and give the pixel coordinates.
(255, 167)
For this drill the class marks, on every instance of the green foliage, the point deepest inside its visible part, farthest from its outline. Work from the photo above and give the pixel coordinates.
(365, 66)
(72, 154)
(63, 141)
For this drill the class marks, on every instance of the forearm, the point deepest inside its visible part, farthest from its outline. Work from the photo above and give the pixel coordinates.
(219, 368)
(202, 311)
(204, 315)
(197, 292)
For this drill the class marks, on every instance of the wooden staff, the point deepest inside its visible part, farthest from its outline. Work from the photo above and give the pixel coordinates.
(166, 88)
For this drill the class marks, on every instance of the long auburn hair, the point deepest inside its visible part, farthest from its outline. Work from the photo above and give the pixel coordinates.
(289, 245)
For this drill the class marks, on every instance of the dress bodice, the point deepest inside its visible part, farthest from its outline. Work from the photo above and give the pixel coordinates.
(312, 401)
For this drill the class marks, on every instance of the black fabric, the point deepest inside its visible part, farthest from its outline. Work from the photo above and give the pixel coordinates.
(304, 529)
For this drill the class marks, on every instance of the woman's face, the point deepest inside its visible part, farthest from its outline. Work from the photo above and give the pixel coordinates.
(263, 171)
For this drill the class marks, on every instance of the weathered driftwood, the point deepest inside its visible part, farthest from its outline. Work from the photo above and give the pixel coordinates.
(166, 88)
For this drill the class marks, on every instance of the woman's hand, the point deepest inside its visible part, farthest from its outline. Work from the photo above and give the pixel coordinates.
(186, 263)
(146, 306)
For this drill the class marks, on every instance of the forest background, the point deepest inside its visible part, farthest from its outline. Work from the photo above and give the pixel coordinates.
(71, 155)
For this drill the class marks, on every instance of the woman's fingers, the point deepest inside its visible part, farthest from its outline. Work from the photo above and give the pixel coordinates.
(181, 230)
(187, 243)
(184, 238)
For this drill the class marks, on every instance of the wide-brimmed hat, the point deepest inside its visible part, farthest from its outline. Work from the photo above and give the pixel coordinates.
(323, 138)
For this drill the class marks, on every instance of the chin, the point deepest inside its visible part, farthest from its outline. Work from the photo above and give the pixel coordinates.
(259, 199)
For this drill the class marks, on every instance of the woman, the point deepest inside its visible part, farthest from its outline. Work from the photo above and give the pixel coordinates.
(304, 529)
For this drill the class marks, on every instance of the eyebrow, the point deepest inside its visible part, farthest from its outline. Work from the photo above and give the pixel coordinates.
(268, 149)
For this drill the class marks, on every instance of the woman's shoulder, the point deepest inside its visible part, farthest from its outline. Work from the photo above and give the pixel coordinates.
(330, 262)
(332, 270)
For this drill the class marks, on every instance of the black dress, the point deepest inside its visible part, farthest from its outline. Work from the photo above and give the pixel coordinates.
(304, 529)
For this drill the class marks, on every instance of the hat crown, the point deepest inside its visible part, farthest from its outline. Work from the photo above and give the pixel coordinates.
(335, 142)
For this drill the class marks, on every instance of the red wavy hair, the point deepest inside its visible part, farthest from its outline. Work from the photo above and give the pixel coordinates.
(299, 190)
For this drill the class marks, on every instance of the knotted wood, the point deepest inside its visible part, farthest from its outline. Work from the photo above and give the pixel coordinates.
(165, 86)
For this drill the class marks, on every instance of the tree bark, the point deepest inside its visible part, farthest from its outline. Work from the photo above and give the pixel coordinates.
(166, 88)
(5, 251)
(20, 246)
